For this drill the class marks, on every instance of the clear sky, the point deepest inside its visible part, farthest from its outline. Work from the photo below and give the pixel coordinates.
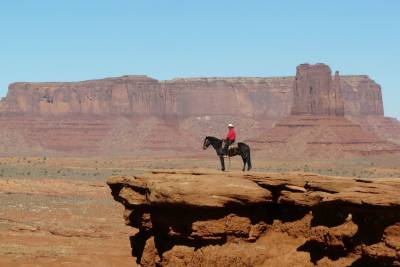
(66, 40)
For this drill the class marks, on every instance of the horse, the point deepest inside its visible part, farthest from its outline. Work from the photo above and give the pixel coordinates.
(242, 149)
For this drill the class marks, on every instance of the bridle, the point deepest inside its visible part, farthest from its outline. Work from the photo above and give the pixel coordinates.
(206, 143)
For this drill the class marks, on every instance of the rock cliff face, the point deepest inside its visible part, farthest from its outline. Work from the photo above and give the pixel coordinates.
(251, 97)
(125, 95)
(214, 219)
(316, 93)
(363, 96)
(141, 95)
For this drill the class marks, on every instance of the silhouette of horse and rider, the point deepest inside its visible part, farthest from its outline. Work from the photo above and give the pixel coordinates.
(225, 147)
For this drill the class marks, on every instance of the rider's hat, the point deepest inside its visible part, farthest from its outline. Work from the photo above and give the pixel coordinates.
(230, 125)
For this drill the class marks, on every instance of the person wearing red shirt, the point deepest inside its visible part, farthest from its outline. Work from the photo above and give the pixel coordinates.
(230, 138)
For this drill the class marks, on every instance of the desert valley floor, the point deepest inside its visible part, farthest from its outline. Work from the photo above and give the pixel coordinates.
(65, 216)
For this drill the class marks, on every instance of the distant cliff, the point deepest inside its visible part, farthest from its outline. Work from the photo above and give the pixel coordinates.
(137, 115)
(141, 95)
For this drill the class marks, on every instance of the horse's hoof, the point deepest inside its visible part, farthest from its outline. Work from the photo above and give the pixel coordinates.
(223, 170)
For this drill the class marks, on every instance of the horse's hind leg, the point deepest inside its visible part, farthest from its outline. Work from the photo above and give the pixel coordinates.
(244, 162)
(248, 161)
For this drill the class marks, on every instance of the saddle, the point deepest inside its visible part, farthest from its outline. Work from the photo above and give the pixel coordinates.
(232, 150)
(233, 146)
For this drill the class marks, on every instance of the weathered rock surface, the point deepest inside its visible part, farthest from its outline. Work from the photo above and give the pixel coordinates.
(197, 218)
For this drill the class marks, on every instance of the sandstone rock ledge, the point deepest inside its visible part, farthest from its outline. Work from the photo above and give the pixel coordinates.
(187, 218)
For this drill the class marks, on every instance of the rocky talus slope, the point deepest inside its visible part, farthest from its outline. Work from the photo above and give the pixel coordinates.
(196, 218)
(327, 137)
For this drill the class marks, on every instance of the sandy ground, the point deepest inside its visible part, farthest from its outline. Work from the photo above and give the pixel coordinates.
(59, 211)
(56, 222)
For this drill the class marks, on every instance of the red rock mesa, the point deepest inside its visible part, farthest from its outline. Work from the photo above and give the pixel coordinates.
(125, 115)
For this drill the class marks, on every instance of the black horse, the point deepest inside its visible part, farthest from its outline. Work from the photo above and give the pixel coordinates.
(242, 149)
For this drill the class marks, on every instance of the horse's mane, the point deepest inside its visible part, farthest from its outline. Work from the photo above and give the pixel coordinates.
(213, 138)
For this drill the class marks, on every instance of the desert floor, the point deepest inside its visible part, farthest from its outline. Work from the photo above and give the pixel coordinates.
(59, 211)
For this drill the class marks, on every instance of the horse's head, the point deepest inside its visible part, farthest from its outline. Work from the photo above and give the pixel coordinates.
(206, 143)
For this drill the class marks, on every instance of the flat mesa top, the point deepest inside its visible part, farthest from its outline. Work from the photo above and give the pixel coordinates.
(234, 79)
(216, 189)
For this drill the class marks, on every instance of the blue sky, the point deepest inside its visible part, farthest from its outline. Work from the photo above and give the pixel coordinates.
(66, 40)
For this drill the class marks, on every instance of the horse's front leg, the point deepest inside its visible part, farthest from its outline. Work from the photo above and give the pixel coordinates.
(221, 158)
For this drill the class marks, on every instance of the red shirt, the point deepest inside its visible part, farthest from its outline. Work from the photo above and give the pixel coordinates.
(231, 134)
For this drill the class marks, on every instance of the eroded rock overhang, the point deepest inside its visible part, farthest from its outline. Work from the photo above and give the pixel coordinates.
(187, 218)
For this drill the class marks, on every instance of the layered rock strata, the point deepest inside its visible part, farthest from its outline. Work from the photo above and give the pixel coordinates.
(215, 219)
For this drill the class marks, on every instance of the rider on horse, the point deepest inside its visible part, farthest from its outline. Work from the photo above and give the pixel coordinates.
(230, 138)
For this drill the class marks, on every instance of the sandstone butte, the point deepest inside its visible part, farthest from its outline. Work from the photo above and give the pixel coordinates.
(203, 218)
(125, 115)
(317, 125)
